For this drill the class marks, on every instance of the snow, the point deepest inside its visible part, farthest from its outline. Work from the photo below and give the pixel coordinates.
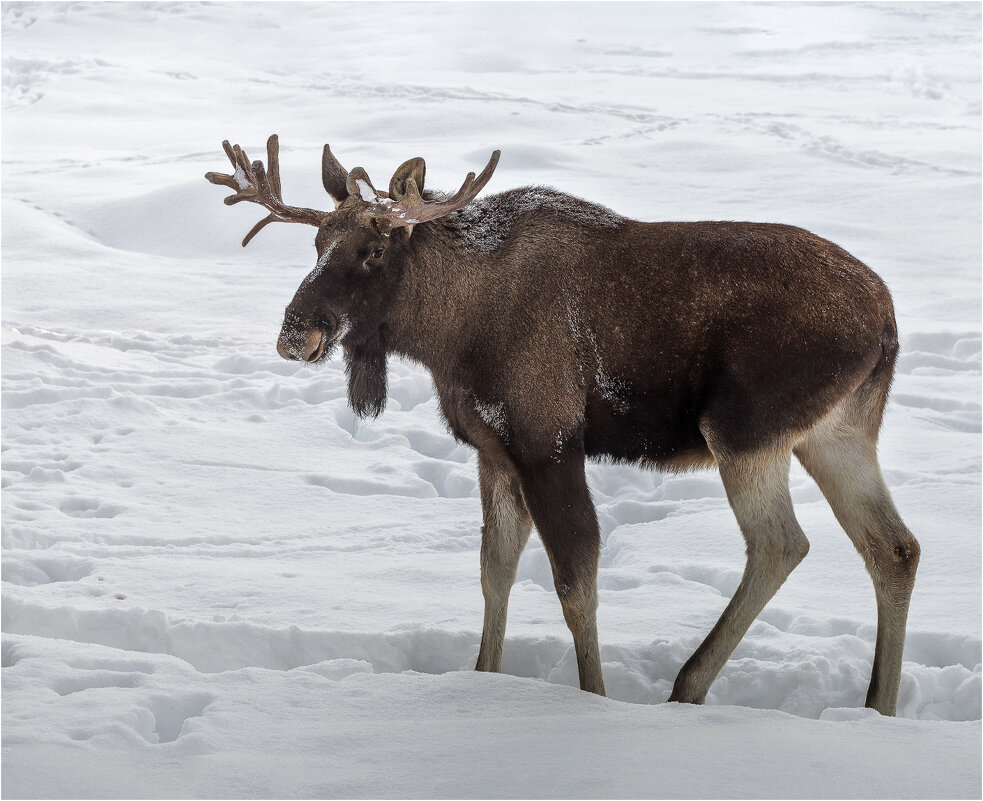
(366, 192)
(217, 582)
(241, 179)
(486, 223)
(322, 260)
(494, 415)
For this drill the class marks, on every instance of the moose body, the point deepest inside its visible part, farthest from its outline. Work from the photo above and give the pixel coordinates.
(733, 325)
(556, 330)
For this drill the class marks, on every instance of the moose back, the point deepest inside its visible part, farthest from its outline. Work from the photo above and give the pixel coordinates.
(557, 331)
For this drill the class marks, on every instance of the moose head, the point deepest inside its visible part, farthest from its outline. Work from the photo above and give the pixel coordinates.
(345, 298)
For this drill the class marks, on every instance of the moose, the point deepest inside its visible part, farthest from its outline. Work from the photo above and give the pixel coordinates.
(556, 331)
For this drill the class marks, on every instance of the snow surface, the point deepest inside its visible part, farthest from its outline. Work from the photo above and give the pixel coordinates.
(218, 583)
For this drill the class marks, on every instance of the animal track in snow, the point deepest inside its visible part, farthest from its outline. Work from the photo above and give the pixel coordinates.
(447, 478)
(171, 713)
(96, 679)
(15, 18)
(434, 444)
(628, 512)
(9, 655)
(410, 391)
(59, 463)
(32, 571)
(77, 506)
(940, 353)
(946, 413)
(118, 664)
(919, 362)
(348, 485)
(723, 580)
(936, 404)
(617, 581)
(936, 649)
(831, 148)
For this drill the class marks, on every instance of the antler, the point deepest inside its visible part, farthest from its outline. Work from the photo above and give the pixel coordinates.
(253, 183)
(412, 208)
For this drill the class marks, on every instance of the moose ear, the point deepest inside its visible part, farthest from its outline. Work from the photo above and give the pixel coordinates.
(333, 176)
(360, 184)
(415, 169)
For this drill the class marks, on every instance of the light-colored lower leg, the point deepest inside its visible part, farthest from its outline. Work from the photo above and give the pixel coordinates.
(503, 536)
(757, 489)
(843, 461)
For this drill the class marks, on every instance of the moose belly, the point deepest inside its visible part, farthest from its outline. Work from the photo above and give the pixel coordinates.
(666, 436)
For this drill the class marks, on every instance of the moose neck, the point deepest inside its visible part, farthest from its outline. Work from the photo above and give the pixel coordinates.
(435, 312)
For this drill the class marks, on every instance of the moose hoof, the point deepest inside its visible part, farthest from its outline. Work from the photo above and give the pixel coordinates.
(680, 695)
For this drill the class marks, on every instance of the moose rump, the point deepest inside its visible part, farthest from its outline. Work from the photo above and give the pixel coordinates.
(727, 338)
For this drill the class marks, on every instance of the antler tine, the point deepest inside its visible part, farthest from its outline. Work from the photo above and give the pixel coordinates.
(243, 162)
(229, 151)
(476, 185)
(259, 227)
(221, 178)
(273, 159)
(252, 182)
(413, 209)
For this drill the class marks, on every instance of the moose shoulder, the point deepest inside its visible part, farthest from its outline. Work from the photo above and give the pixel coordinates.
(557, 330)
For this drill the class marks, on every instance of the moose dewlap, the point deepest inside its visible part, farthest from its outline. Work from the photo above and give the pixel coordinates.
(557, 330)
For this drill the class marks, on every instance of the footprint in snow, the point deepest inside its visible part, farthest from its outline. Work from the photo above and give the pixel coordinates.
(33, 572)
(76, 506)
(83, 680)
(172, 713)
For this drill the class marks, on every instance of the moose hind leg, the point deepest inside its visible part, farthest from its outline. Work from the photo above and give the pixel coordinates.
(757, 489)
(506, 529)
(842, 458)
(559, 500)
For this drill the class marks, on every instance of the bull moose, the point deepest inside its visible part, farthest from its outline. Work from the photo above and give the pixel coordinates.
(557, 330)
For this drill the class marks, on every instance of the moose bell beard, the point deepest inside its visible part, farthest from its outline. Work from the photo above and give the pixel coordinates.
(365, 366)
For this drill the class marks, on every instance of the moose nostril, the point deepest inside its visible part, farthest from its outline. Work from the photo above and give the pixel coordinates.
(289, 346)
(287, 351)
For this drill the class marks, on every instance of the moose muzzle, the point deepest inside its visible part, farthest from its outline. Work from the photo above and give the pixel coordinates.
(301, 345)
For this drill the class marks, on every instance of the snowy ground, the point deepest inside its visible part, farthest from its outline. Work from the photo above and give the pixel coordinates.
(216, 582)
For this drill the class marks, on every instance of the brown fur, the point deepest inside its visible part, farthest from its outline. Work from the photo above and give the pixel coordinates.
(558, 331)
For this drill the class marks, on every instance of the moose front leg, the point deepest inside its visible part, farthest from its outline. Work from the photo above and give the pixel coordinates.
(557, 496)
(503, 536)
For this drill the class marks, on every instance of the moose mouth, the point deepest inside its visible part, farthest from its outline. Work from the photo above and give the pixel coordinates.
(325, 346)
(311, 347)
(319, 351)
